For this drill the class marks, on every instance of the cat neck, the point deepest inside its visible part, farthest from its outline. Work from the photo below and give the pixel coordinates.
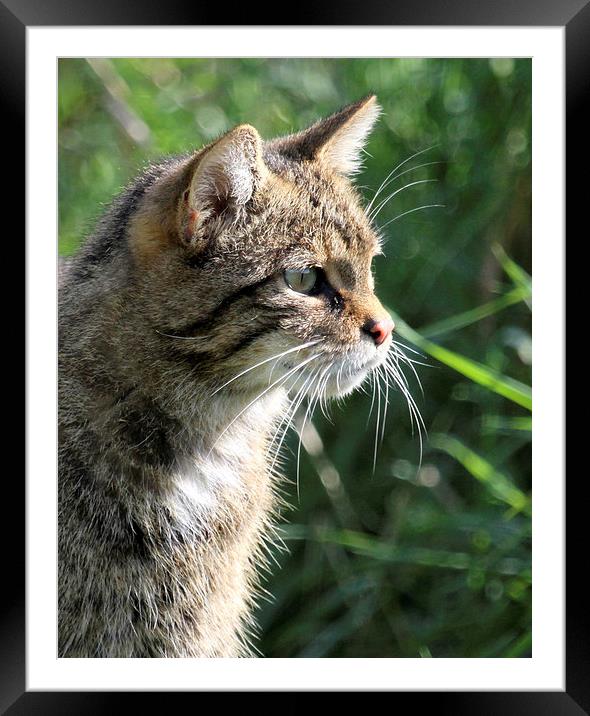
(232, 445)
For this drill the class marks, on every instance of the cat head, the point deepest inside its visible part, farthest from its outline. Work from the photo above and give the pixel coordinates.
(259, 253)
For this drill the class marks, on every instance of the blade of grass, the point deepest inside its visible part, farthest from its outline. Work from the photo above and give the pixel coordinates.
(381, 549)
(514, 390)
(518, 275)
(461, 320)
(520, 646)
(493, 423)
(499, 485)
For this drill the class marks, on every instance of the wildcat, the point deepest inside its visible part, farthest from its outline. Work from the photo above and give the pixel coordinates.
(215, 285)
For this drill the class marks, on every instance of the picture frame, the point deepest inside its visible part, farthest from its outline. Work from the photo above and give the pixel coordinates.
(575, 18)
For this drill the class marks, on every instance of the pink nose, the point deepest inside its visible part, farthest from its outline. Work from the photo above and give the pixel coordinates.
(379, 330)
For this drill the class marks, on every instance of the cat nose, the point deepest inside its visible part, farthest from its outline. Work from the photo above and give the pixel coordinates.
(379, 330)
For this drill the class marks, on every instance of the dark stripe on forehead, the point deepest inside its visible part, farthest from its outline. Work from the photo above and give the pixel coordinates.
(344, 236)
(208, 322)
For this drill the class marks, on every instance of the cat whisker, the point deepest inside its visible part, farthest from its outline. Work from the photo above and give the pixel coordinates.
(373, 383)
(377, 376)
(393, 359)
(411, 169)
(410, 361)
(266, 360)
(385, 201)
(386, 379)
(398, 342)
(411, 211)
(323, 404)
(274, 384)
(401, 381)
(288, 418)
(390, 176)
(338, 374)
(183, 338)
(415, 415)
(308, 412)
(398, 355)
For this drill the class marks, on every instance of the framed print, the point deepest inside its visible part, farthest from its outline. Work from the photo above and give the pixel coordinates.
(306, 208)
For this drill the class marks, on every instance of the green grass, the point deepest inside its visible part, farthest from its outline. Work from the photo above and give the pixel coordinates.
(483, 375)
(429, 555)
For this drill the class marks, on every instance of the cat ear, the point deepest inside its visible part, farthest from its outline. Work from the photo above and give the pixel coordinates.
(337, 140)
(224, 179)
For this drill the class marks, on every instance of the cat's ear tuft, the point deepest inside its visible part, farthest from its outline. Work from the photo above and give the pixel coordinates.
(350, 129)
(337, 140)
(225, 178)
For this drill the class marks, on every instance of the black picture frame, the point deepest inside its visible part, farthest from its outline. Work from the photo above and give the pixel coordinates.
(15, 17)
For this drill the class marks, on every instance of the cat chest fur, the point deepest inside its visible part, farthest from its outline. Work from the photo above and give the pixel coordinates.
(173, 569)
(220, 506)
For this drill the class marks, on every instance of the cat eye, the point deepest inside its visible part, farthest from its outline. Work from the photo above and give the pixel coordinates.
(302, 280)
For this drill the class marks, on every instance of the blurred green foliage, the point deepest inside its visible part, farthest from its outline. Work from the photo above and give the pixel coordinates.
(422, 558)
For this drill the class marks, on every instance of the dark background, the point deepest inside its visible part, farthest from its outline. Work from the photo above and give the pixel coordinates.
(429, 559)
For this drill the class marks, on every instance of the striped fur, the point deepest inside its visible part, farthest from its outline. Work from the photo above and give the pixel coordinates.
(166, 495)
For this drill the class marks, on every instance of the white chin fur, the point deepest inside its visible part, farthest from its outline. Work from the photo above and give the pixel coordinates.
(339, 386)
(351, 372)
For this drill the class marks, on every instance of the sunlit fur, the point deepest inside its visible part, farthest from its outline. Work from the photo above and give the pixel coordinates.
(183, 358)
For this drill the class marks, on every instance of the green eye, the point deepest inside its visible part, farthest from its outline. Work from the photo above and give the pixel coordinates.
(302, 280)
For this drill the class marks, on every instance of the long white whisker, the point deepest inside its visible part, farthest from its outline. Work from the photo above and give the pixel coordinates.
(386, 379)
(310, 409)
(395, 368)
(414, 412)
(377, 423)
(287, 420)
(266, 360)
(406, 359)
(412, 403)
(410, 211)
(322, 396)
(406, 171)
(409, 363)
(385, 201)
(323, 402)
(338, 374)
(280, 380)
(373, 383)
(183, 338)
(399, 166)
(401, 344)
